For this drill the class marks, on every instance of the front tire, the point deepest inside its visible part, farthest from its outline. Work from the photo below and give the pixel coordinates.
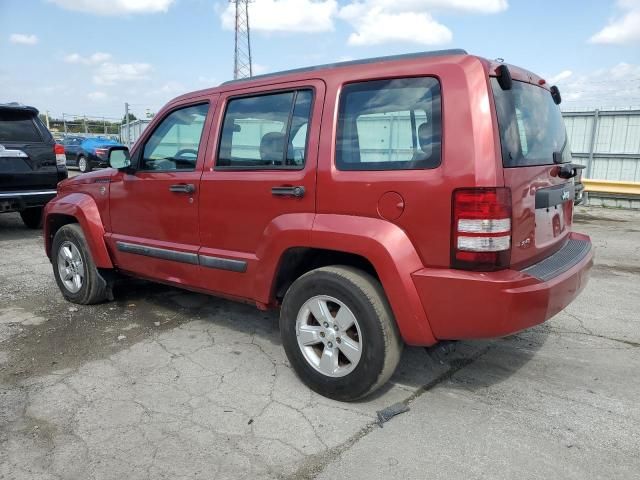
(73, 268)
(339, 333)
(32, 217)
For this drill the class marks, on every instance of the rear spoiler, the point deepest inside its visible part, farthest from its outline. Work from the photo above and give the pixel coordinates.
(505, 81)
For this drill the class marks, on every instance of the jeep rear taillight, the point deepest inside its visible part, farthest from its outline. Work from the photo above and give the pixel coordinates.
(481, 229)
(61, 158)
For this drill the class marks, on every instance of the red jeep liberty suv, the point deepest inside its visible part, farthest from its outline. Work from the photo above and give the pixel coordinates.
(377, 203)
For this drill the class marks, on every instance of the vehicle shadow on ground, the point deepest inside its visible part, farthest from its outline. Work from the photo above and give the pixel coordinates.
(12, 228)
(141, 310)
(419, 368)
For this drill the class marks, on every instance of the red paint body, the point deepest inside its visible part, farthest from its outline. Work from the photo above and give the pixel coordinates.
(405, 235)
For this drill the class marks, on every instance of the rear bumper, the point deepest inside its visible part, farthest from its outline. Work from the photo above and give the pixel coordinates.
(467, 305)
(19, 200)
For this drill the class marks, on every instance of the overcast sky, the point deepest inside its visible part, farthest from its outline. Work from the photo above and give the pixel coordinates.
(90, 56)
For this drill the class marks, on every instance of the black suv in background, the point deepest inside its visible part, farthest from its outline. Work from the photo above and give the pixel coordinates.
(31, 163)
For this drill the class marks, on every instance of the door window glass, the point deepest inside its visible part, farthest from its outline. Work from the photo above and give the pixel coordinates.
(175, 142)
(266, 131)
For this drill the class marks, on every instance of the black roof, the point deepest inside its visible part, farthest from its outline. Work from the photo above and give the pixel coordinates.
(15, 106)
(364, 61)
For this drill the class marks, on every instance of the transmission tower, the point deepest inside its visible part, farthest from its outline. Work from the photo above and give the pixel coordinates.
(242, 67)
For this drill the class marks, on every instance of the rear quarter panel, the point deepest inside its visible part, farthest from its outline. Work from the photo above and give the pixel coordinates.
(470, 156)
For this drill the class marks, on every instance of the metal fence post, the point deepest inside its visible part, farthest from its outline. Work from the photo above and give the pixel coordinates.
(128, 122)
(592, 143)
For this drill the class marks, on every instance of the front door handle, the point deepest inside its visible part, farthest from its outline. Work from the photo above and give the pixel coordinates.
(183, 188)
(297, 192)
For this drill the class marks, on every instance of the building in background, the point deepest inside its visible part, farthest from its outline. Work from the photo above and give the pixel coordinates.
(607, 142)
(130, 132)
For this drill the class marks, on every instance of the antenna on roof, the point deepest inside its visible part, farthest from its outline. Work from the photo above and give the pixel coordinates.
(242, 67)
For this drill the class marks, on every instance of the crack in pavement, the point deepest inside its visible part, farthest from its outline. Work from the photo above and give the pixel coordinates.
(314, 464)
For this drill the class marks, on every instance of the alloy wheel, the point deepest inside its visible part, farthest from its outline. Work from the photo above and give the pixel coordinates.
(70, 267)
(329, 336)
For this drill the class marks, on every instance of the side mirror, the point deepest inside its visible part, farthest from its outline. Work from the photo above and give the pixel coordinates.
(119, 158)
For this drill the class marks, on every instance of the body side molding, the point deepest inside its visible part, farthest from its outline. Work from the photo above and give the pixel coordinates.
(208, 261)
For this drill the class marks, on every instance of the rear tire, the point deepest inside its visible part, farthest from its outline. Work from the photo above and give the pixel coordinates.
(32, 217)
(74, 270)
(84, 165)
(362, 357)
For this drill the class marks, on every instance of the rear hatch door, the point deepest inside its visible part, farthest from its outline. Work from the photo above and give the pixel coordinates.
(532, 133)
(27, 157)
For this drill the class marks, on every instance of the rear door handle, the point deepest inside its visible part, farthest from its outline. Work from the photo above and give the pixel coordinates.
(183, 188)
(297, 192)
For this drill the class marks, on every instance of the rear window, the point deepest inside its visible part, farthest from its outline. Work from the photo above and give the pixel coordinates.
(531, 125)
(18, 127)
(389, 125)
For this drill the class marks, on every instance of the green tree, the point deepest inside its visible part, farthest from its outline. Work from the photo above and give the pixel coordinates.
(132, 117)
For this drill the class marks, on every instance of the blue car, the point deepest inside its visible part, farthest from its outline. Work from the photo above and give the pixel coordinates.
(88, 153)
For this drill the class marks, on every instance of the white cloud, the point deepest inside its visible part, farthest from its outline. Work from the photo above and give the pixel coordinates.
(377, 26)
(286, 15)
(168, 90)
(97, 96)
(106, 72)
(380, 21)
(112, 73)
(563, 75)
(462, 6)
(373, 21)
(93, 59)
(115, 7)
(473, 6)
(622, 29)
(615, 87)
(23, 39)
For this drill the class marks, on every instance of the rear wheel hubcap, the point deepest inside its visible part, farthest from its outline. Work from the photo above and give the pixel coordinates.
(329, 336)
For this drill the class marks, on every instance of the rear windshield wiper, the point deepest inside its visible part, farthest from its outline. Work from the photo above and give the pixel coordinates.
(567, 169)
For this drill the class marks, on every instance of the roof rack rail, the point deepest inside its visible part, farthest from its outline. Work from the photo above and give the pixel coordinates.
(364, 61)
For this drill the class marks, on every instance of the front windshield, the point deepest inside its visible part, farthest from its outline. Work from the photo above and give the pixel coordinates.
(531, 125)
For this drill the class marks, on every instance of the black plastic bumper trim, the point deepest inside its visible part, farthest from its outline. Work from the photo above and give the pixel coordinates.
(561, 261)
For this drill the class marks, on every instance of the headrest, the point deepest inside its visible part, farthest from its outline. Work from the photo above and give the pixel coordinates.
(272, 147)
